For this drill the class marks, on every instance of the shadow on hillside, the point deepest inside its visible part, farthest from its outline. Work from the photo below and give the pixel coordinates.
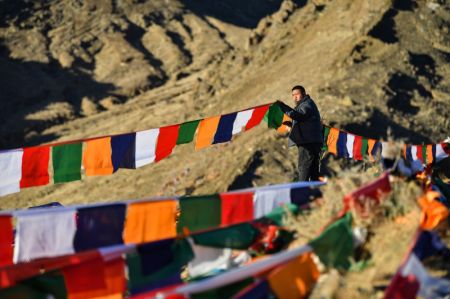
(28, 87)
(377, 126)
(240, 13)
(245, 180)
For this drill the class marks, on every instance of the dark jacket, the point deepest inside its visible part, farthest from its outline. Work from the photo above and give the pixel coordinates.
(306, 124)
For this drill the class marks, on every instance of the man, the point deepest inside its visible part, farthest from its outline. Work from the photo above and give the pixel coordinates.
(306, 133)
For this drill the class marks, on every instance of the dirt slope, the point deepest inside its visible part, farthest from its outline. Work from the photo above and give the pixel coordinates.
(72, 69)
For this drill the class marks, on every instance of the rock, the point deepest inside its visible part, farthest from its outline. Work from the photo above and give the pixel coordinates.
(88, 107)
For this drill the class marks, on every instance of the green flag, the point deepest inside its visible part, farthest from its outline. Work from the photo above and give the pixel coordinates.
(335, 245)
(274, 116)
(278, 213)
(326, 131)
(364, 147)
(66, 162)
(186, 131)
(239, 236)
(199, 212)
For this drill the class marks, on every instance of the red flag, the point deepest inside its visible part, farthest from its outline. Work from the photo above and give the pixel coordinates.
(35, 166)
(236, 207)
(257, 117)
(357, 146)
(167, 139)
(6, 241)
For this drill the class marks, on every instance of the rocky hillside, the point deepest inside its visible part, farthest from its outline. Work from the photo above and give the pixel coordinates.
(72, 69)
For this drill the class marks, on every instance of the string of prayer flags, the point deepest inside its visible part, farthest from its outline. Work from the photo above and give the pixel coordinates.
(150, 221)
(66, 161)
(11, 171)
(99, 226)
(334, 246)
(35, 166)
(97, 157)
(47, 236)
(267, 200)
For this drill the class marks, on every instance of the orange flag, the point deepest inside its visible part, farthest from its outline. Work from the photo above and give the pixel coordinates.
(371, 144)
(206, 131)
(295, 279)
(150, 221)
(332, 140)
(433, 211)
(97, 157)
(283, 128)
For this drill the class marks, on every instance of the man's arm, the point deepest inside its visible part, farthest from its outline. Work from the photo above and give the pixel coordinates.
(298, 115)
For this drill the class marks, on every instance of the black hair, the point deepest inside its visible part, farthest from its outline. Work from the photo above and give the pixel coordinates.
(301, 88)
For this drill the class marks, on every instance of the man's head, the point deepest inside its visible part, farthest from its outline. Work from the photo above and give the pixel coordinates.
(298, 93)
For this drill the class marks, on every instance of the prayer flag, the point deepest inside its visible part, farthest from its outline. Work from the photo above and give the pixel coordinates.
(6, 240)
(146, 147)
(342, 145)
(284, 128)
(332, 140)
(85, 278)
(371, 149)
(334, 246)
(67, 162)
(99, 226)
(431, 152)
(326, 132)
(350, 144)
(199, 213)
(35, 166)
(429, 287)
(123, 151)
(440, 152)
(295, 279)
(44, 235)
(206, 131)
(150, 221)
(267, 200)
(167, 140)
(429, 244)
(236, 207)
(433, 212)
(11, 166)
(419, 153)
(358, 154)
(186, 131)
(97, 157)
(257, 116)
(225, 128)
(241, 120)
(274, 116)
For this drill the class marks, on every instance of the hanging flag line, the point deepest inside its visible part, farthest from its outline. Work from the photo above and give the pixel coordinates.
(241, 236)
(347, 145)
(49, 232)
(104, 155)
